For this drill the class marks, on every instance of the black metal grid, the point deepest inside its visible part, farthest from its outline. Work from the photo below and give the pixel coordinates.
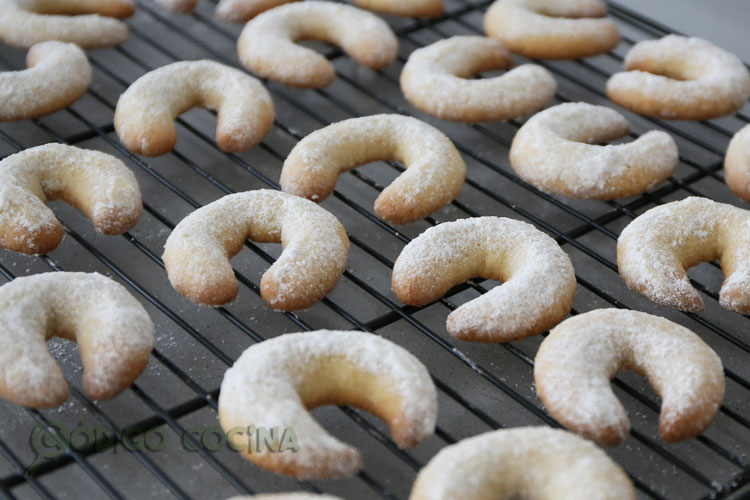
(480, 387)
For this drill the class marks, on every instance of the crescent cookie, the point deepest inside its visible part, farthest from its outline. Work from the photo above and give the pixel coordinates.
(145, 113)
(276, 382)
(181, 6)
(24, 23)
(197, 253)
(551, 152)
(737, 164)
(576, 361)
(552, 29)
(435, 171)
(525, 462)
(538, 278)
(58, 75)
(435, 79)
(235, 11)
(655, 250)
(114, 334)
(404, 8)
(96, 183)
(680, 78)
(239, 11)
(266, 45)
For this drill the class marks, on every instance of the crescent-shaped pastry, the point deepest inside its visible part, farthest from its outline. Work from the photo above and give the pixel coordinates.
(403, 8)
(96, 183)
(525, 462)
(275, 383)
(266, 46)
(680, 78)
(655, 250)
(240, 11)
(435, 171)
(145, 113)
(576, 361)
(197, 253)
(113, 331)
(538, 278)
(58, 75)
(24, 23)
(737, 164)
(435, 79)
(551, 152)
(233, 11)
(552, 29)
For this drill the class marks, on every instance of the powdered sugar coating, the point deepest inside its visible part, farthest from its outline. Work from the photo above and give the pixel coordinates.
(525, 462)
(550, 152)
(404, 8)
(539, 281)
(737, 164)
(576, 361)
(435, 171)
(58, 74)
(552, 29)
(266, 46)
(680, 77)
(273, 383)
(24, 23)
(113, 331)
(435, 80)
(197, 253)
(654, 251)
(96, 183)
(145, 112)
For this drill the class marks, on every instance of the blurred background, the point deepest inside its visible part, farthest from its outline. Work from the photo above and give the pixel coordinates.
(723, 22)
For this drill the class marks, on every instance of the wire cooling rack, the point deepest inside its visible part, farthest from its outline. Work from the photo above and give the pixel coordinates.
(159, 438)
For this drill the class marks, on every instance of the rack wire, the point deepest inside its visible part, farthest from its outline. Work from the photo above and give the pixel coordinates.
(480, 387)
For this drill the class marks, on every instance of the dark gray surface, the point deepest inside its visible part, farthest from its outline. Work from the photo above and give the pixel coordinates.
(724, 23)
(482, 386)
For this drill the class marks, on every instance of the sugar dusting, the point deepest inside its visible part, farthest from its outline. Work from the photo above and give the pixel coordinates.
(96, 182)
(266, 44)
(21, 26)
(701, 75)
(59, 76)
(434, 172)
(145, 111)
(112, 328)
(552, 28)
(314, 241)
(538, 276)
(261, 387)
(550, 152)
(737, 164)
(435, 79)
(656, 248)
(525, 462)
(579, 357)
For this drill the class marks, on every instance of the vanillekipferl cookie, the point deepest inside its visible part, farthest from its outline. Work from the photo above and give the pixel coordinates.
(277, 382)
(114, 335)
